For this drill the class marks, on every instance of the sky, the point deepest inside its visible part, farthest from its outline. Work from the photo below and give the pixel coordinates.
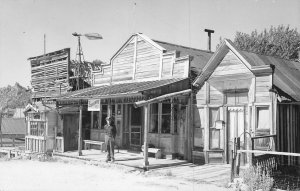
(23, 24)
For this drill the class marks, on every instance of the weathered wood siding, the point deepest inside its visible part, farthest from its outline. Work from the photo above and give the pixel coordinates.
(215, 96)
(167, 64)
(288, 130)
(181, 67)
(262, 88)
(123, 63)
(102, 77)
(148, 60)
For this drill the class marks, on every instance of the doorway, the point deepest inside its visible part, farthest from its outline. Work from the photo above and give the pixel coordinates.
(135, 125)
(70, 131)
(235, 128)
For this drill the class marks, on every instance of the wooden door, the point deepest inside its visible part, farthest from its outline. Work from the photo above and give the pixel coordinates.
(235, 128)
(135, 126)
(70, 132)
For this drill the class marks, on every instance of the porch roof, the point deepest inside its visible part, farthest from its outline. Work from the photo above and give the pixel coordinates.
(118, 90)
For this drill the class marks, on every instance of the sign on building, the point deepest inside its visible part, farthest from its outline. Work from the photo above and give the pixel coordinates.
(94, 105)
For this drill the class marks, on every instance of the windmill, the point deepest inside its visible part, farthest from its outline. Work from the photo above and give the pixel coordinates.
(79, 72)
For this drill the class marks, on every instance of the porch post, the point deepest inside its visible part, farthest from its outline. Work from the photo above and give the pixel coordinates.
(80, 131)
(146, 124)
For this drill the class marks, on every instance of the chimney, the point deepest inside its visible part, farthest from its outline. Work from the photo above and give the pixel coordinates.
(209, 31)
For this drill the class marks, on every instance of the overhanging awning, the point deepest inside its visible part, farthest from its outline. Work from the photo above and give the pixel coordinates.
(121, 90)
(162, 98)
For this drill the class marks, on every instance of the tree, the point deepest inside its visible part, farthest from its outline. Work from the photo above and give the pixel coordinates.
(281, 41)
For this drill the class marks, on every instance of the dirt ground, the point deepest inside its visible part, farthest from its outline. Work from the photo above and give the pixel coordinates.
(69, 174)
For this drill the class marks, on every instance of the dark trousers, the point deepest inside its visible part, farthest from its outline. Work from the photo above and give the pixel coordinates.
(110, 147)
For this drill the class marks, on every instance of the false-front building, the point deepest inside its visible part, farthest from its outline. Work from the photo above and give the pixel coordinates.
(142, 69)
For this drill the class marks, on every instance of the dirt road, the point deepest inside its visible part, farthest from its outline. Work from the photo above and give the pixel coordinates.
(68, 175)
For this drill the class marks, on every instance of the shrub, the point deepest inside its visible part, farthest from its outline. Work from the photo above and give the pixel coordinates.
(256, 178)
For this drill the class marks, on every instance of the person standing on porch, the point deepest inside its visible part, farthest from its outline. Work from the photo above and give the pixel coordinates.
(110, 135)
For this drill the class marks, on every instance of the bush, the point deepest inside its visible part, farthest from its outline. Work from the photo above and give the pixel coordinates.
(256, 178)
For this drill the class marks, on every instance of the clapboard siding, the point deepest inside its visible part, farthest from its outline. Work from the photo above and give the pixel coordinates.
(201, 96)
(123, 63)
(215, 96)
(102, 77)
(230, 66)
(167, 65)
(181, 67)
(147, 60)
(263, 86)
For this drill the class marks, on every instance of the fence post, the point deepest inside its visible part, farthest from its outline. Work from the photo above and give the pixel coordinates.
(233, 161)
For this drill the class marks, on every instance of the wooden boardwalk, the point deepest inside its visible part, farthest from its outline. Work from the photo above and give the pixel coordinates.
(217, 174)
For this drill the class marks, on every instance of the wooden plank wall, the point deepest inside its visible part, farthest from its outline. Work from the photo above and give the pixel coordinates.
(231, 66)
(102, 77)
(140, 60)
(167, 64)
(288, 130)
(122, 64)
(46, 70)
(147, 60)
(262, 89)
(181, 67)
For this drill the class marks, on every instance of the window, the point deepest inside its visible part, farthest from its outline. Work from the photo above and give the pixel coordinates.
(103, 116)
(154, 118)
(175, 115)
(96, 120)
(166, 118)
(198, 127)
(262, 127)
(214, 134)
(262, 116)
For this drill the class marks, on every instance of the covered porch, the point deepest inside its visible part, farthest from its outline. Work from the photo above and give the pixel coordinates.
(162, 122)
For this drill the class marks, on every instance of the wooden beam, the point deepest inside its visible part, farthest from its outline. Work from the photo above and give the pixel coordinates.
(80, 132)
(162, 98)
(269, 152)
(146, 124)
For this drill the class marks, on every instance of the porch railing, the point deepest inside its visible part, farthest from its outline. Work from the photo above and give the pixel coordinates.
(35, 144)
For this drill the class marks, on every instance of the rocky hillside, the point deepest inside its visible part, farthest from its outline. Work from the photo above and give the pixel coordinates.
(14, 96)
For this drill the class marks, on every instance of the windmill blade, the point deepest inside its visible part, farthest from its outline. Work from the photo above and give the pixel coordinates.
(93, 36)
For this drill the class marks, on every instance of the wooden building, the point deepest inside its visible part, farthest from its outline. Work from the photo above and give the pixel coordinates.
(42, 120)
(141, 70)
(50, 77)
(243, 94)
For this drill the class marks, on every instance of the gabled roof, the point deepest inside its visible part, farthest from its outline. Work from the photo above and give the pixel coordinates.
(286, 72)
(13, 126)
(144, 37)
(119, 90)
(39, 107)
(199, 57)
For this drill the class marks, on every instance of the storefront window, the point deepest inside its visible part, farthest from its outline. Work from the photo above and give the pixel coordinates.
(154, 118)
(166, 118)
(103, 115)
(96, 120)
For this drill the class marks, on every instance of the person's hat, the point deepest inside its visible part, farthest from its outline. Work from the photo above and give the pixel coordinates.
(109, 118)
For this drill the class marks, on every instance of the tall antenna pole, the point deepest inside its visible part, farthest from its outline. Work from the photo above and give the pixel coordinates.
(44, 43)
